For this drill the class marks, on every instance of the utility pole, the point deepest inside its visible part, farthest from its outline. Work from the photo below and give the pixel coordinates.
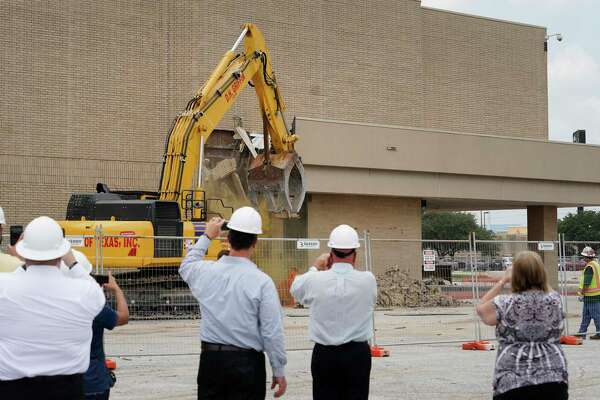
(579, 137)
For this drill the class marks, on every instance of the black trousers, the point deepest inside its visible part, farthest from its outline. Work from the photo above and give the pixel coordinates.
(341, 372)
(60, 387)
(232, 375)
(100, 396)
(546, 391)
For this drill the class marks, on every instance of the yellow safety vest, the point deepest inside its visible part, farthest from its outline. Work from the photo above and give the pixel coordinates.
(594, 288)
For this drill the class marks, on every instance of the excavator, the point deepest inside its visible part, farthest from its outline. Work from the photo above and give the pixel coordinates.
(140, 230)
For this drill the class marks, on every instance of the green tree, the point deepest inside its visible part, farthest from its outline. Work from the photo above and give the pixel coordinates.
(581, 227)
(452, 226)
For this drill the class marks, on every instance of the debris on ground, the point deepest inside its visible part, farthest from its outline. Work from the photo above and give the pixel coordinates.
(396, 288)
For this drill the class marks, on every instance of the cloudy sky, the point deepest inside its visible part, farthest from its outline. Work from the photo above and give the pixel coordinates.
(573, 65)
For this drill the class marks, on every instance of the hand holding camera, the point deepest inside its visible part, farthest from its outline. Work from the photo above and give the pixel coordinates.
(214, 227)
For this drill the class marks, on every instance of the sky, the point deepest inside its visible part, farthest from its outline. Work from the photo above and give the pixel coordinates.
(573, 66)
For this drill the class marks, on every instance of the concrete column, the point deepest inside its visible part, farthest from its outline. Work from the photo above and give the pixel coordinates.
(542, 225)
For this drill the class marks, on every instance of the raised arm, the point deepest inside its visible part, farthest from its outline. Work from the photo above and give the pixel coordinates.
(300, 287)
(486, 308)
(121, 302)
(193, 263)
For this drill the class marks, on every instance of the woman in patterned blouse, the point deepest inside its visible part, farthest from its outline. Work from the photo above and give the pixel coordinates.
(530, 363)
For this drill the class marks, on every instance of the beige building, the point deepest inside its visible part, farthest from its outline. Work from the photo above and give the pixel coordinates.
(399, 106)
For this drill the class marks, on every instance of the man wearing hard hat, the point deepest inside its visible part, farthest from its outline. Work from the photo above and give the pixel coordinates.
(45, 319)
(341, 301)
(241, 313)
(589, 292)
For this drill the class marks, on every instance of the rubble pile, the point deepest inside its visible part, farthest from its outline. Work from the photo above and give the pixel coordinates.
(397, 289)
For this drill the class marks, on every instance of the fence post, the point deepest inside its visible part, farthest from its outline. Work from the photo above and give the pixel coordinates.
(101, 246)
(96, 249)
(475, 283)
(564, 292)
(368, 260)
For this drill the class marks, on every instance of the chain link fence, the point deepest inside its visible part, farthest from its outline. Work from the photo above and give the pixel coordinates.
(427, 288)
(425, 291)
(493, 257)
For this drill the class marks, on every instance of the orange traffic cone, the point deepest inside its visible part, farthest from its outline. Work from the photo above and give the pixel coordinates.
(478, 345)
(378, 351)
(110, 364)
(571, 340)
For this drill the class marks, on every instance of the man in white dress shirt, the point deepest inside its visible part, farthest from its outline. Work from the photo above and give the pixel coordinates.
(45, 319)
(241, 314)
(341, 301)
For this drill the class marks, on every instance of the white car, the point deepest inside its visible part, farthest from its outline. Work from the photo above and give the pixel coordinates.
(507, 262)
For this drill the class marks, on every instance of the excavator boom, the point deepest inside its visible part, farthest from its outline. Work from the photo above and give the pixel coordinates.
(275, 173)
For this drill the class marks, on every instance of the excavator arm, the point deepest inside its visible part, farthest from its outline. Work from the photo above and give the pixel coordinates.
(277, 173)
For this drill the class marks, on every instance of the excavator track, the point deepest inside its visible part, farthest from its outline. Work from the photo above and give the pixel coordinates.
(157, 294)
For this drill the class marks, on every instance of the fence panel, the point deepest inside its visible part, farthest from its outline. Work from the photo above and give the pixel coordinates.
(425, 291)
(493, 257)
(165, 317)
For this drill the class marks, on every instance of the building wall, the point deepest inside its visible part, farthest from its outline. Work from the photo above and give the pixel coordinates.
(90, 88)
(484, 76)
(383, 217)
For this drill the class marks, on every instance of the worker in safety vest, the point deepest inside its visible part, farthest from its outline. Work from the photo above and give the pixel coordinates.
(589, 293)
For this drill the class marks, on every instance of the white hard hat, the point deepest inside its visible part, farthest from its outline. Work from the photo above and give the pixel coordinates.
(588, 252)
(43, 240)
(343, 237)
(247, 220)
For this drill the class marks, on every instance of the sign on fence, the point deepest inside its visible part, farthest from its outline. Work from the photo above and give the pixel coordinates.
(305, 244)
(429, 260)
(546, 246)
(76, 241)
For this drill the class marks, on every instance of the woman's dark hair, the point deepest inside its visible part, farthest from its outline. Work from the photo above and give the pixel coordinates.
(241, 240)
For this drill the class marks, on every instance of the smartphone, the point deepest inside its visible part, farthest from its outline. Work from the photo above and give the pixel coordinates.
(101, 279)
(15, 234)
(224, 226)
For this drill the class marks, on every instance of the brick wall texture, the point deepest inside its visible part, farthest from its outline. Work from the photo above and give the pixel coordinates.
(89, 89)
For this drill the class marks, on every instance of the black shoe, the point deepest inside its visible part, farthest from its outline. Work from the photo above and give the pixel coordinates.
(595, 337)
(581, 335)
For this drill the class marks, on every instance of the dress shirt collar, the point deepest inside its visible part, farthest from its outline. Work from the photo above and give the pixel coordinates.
(237, 261)
(342, 267)
(42, 269)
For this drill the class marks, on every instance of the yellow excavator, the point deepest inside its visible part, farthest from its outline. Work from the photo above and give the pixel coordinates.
(143, 229)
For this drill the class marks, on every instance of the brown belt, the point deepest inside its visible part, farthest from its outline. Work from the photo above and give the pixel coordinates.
(223, 347)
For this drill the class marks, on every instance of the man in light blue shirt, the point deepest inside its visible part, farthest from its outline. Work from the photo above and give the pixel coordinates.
(341, 301)
(241, 314)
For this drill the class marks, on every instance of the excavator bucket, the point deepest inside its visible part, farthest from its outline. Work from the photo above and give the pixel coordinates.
(280, 180)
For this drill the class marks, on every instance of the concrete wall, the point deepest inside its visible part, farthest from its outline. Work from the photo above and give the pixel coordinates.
(383, 217)
(447, 167)
(90, 88)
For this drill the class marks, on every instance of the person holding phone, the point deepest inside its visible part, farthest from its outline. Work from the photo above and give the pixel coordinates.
(45, 320)
(9, 262)
(241, 314)
(98, 380)
(530, 362)
(341, 301)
